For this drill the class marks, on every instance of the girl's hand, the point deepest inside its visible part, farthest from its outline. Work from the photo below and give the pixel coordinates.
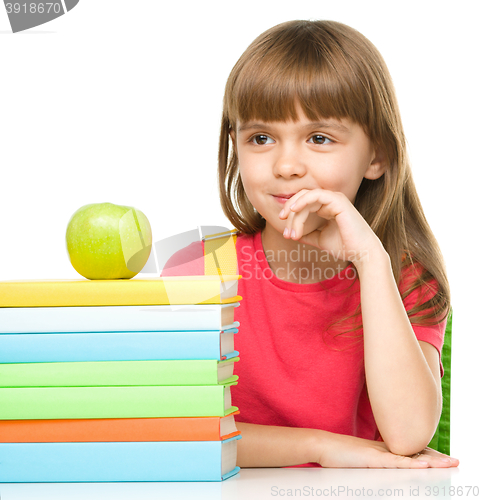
(345, 234)
(343, 451)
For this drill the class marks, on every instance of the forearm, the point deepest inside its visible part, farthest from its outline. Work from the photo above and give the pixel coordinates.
(272, 446)
(403, 393)
(275, 446)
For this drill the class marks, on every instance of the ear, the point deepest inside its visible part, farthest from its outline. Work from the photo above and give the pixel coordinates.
(377, 166)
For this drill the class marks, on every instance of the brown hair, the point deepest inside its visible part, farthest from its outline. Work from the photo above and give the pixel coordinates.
(333, 71)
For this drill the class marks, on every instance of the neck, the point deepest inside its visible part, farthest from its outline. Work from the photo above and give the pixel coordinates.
(298, 263)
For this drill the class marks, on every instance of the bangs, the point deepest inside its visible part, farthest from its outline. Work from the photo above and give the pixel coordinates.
(278, 73)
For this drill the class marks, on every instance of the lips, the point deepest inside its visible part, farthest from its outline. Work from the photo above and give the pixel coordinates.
(282, 198)
(286, 196)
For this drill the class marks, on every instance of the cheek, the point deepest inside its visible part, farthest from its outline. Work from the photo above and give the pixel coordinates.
(246, 177)
(351, 190)
(250, 184)
(345, 178)
(338, 179)
(252, 172)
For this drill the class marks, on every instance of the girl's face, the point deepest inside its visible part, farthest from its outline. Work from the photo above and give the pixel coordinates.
(278, 159)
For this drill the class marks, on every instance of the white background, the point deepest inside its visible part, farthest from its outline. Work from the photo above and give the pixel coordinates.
(120, 101)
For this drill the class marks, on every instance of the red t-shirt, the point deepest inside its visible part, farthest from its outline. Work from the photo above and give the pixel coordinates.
(291, 371)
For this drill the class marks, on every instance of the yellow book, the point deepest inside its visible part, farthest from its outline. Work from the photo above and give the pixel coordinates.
(169, 290)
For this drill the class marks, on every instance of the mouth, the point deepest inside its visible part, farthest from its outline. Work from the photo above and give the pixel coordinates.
(286, 196)
(282, 198)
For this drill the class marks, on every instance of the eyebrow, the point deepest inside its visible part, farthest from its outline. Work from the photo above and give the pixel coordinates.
(332, 125)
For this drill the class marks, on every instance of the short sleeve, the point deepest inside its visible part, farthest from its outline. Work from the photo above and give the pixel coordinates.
(188, 261)
(434, 334)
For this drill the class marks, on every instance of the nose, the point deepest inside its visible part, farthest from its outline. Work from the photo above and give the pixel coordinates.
(289, 163)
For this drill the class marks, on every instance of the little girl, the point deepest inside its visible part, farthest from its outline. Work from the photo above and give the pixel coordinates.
(345, 294)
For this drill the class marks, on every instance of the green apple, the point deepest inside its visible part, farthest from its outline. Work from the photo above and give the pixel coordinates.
(107, 241)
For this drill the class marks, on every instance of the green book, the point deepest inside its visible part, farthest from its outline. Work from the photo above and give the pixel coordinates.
(118, 373)
(115, 402)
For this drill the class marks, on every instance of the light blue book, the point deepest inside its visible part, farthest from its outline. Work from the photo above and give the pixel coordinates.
(117, 318)
(118, 461)
(116, 346)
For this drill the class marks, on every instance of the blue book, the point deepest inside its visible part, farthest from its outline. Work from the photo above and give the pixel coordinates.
(117, 346)
(117, 318)
(118, 461)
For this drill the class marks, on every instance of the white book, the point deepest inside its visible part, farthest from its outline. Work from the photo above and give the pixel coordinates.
(117, 318)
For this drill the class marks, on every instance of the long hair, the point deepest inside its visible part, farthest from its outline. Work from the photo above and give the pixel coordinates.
(333, 71)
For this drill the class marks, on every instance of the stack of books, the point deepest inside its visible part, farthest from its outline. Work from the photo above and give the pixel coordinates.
(118, 380)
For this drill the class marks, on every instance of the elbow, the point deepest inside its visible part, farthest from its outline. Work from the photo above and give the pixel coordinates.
(407, 447)
(412, 435)
(410, 442)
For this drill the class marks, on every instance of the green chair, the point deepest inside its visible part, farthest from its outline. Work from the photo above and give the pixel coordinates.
(441, 439)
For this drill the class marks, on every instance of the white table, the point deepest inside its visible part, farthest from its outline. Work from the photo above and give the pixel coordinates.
(251, 484)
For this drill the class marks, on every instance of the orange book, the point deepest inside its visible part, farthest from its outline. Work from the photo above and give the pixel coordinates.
(119, 429)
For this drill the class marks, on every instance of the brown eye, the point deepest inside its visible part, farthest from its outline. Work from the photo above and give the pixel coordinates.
(260, 140)
(320, 139)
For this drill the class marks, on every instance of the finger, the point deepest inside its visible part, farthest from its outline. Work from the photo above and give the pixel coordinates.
(436, 459)
(296, 220)
(421, 461)
(440, 457)
(331, 204)
(286, 210)
(296, 204)
(297, 209)
(435, 462)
